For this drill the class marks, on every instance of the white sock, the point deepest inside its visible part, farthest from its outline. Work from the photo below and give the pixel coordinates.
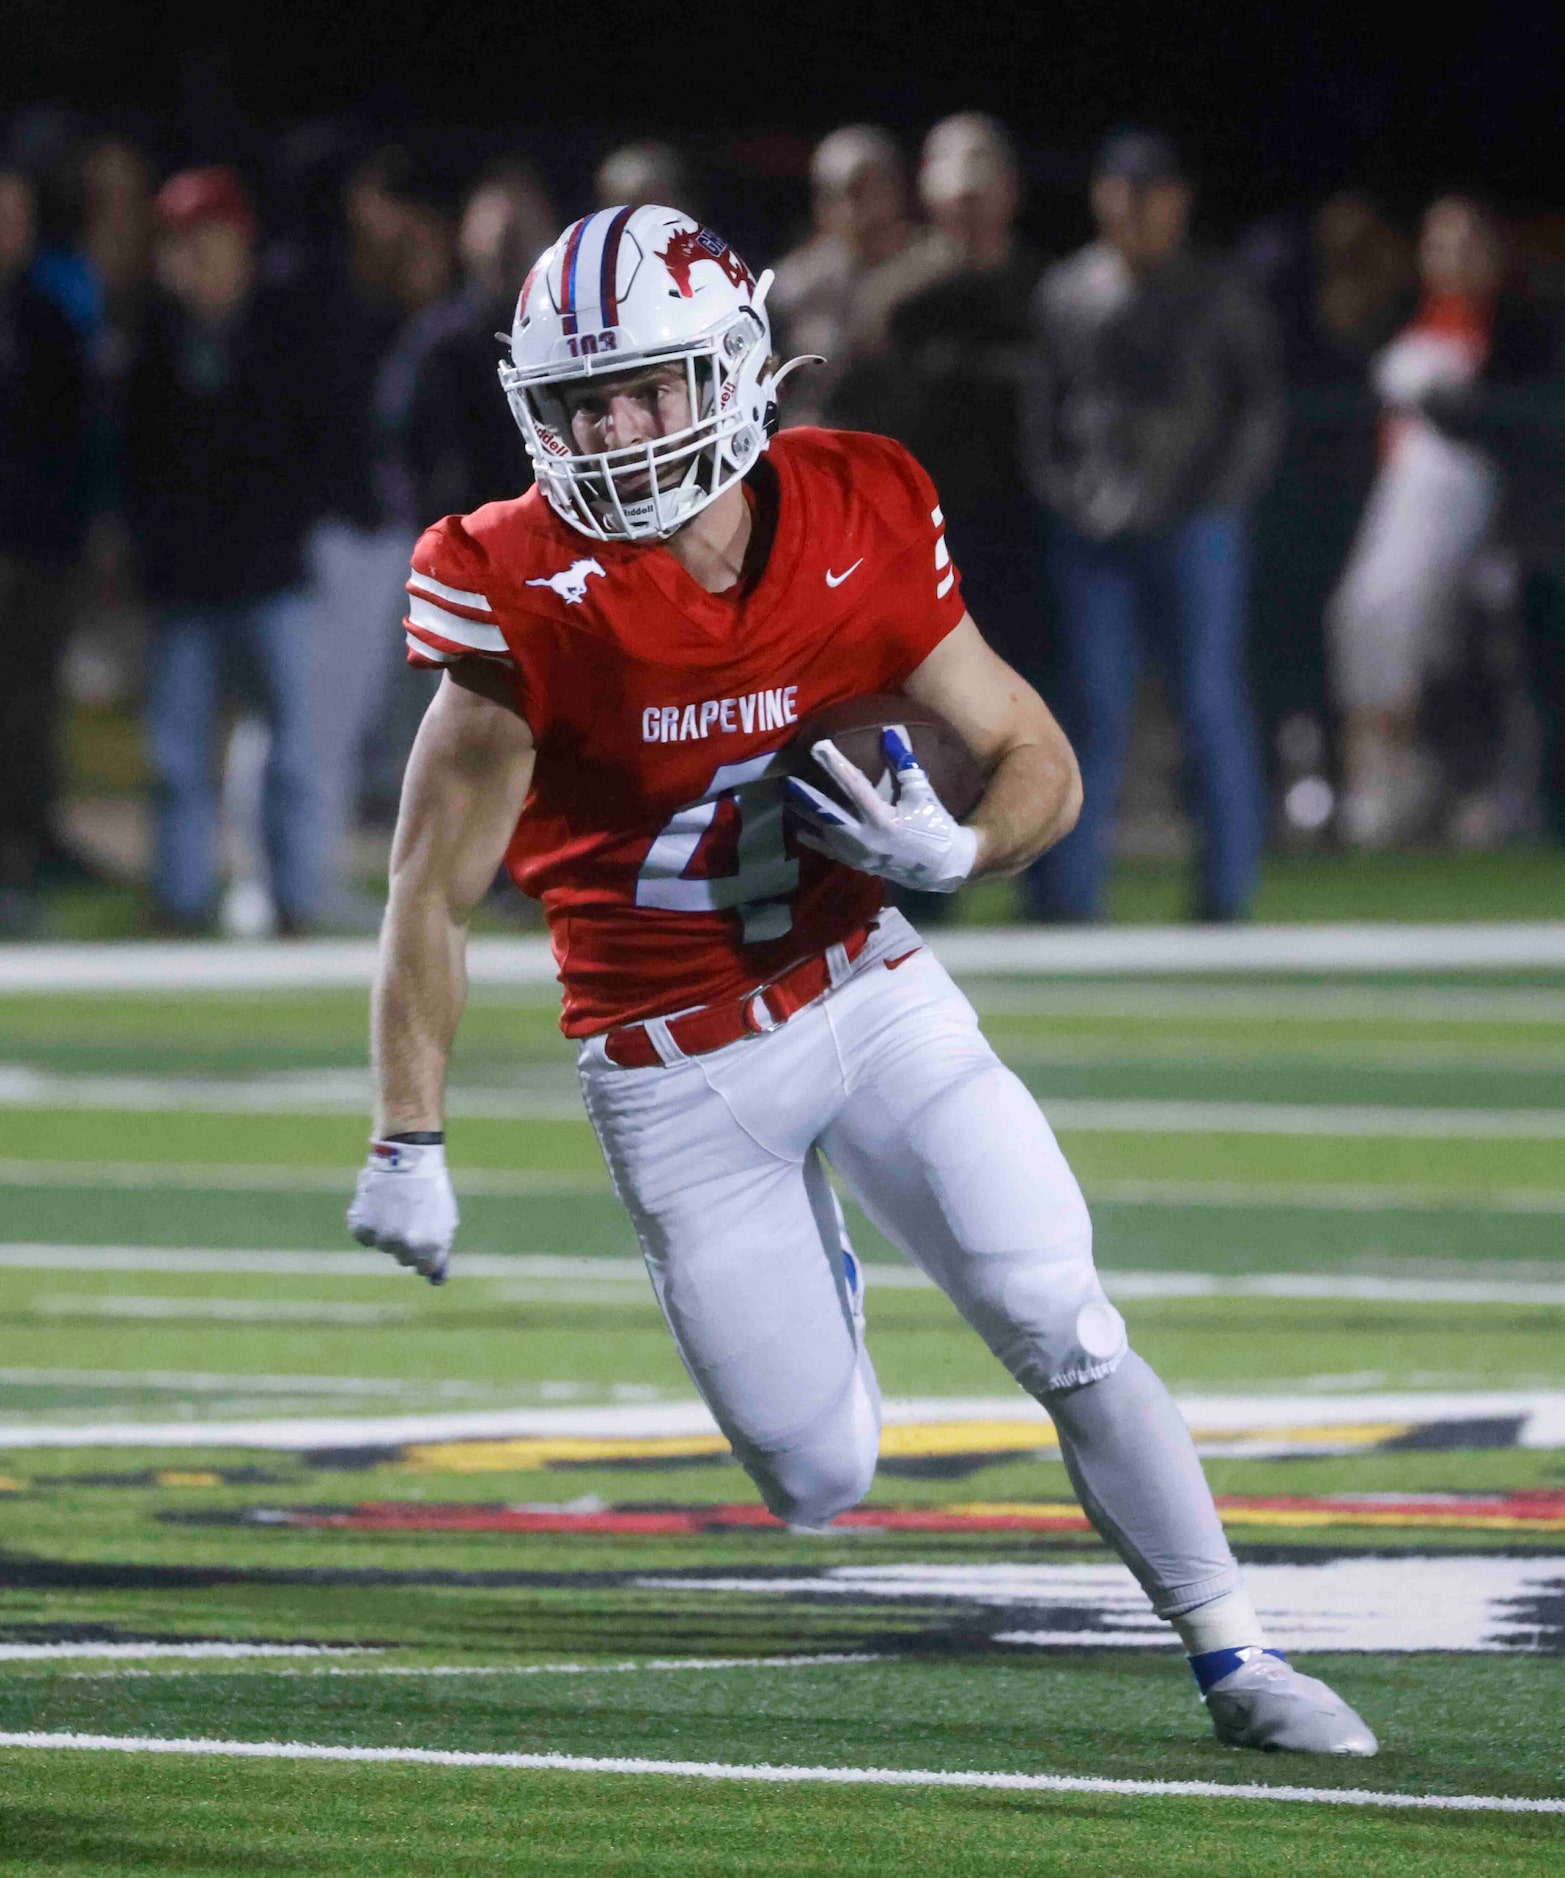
(1227, 1623)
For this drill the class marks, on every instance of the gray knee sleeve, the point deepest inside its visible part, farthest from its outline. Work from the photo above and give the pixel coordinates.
(1139, 1480)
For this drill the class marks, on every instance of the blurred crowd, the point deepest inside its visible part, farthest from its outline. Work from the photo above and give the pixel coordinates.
(1313, 479)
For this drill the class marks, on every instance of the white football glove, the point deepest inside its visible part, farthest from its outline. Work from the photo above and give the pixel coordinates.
(911, 840)
(403, 1203)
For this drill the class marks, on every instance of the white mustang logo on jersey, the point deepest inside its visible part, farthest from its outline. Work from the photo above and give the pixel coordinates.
(571, 584)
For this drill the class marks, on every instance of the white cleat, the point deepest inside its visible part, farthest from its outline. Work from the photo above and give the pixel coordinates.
(1267, 1704)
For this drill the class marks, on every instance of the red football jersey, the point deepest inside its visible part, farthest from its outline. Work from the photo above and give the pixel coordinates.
(654, 831)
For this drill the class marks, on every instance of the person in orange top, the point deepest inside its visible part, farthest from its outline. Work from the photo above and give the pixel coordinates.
(1394, 617)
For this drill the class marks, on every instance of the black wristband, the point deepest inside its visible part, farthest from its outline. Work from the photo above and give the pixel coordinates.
(418, 1138)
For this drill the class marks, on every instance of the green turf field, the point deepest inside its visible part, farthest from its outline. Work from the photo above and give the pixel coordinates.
(269, 1497)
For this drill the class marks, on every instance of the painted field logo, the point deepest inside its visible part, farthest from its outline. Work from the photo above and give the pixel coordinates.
(1542, 1511)
(1477, 1603)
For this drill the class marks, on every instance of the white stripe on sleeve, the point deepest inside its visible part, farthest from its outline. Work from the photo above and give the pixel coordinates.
(946, 585)
(427, 654)
(438, 590)
(461, 632)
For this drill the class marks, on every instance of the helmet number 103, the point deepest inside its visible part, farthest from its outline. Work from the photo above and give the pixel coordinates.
(727, 852)
(589, 345)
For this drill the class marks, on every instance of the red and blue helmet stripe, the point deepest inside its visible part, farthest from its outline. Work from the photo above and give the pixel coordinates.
(589, 270)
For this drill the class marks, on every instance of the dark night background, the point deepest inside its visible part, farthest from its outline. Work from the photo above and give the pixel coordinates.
(1278, 110)
(1275, 105)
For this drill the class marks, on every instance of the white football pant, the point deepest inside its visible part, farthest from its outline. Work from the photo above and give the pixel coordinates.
(718, 1160)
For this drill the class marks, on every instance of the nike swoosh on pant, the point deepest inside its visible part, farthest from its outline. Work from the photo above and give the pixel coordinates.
(836, 580)
(902, 958)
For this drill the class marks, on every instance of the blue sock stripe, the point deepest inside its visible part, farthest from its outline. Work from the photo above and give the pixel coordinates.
(1212, 1665)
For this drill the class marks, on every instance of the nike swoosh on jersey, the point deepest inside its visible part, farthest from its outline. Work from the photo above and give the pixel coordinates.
(902, 958)
(836, 580)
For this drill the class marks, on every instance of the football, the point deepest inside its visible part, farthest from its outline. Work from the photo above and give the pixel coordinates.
(855, 726)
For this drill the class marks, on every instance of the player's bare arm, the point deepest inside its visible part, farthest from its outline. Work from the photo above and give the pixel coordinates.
(466, 782)
(1033, 794)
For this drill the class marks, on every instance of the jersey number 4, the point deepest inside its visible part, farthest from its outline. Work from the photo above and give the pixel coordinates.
(726, 852)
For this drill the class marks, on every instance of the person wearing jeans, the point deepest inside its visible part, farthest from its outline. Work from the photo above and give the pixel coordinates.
(258, 652)
(1152, 419)
(1180, 593)
(219, 475)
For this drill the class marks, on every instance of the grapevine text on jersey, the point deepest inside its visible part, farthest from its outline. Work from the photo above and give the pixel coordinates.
(757, 710)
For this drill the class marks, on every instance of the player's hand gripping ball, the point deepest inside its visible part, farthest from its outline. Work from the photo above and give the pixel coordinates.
(404, 1205)
(907, 834)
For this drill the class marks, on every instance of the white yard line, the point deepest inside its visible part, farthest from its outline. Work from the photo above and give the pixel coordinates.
(652, 1666)
(324, 1092)
(1159, 951)
(522, 1277)
(218, 1310)
(1541, 1413)
(182, 1652)
(323, 1095)
(524, 1183)
(1283, 1002)
(1325, 1197)
(215, 1177)
(789, 1776)
(1203, 1054)
(1094, 1115)
(1331, 1287)
(315, 964)
(229, 1382)
(332, 1264)
(1101, 952)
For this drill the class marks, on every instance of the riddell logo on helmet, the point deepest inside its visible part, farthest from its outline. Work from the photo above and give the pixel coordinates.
(690, 245)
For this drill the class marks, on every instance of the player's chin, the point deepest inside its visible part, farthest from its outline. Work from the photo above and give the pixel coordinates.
(638, 485)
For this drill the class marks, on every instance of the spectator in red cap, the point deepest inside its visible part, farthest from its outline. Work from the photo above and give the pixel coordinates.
(218, 486)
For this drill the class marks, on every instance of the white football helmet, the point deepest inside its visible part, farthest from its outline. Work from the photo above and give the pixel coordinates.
(619, 290)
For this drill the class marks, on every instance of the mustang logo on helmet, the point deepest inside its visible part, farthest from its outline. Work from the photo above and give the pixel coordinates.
(687, 246)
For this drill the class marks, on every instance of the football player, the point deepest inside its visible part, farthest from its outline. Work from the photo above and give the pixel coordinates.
(628, 649)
